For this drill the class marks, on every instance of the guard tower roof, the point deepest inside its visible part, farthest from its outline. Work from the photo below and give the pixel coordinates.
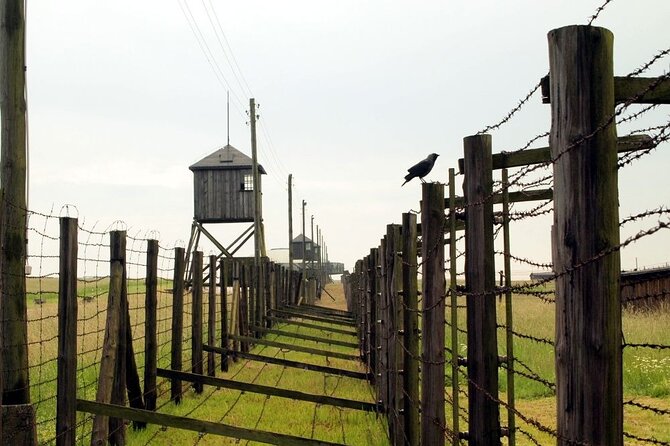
(226, 158)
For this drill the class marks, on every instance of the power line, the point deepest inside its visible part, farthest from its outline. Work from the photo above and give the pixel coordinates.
(230, 50)
(204, 47)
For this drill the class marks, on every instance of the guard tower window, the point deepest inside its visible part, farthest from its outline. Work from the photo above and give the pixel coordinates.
(248, 184)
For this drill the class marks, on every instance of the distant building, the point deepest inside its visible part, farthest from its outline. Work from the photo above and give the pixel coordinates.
(312, 250)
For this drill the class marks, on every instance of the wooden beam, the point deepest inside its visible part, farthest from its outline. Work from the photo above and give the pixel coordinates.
(290, 334)
(315, 318)
(289, 363)
(308, 325)
(195, 425)
(297, 348)
(541, 155)
(269, 390)
(514, 197)
(629, 88)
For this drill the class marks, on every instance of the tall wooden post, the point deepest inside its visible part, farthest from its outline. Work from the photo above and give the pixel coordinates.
(433, 292)
(259, 242)
(312, 276)
(383, 327)
(484, 425)
(196, 323)
(373, 342)
(304, 251)
(225, 345)
(117, 427)
(177, 322)
(585, 236)
(150, 326)
(14, 327)
(66, 389)
(411, 330)
(211, 315)
(453, 300)
(396, 328)
(290, 231)
(509, 319)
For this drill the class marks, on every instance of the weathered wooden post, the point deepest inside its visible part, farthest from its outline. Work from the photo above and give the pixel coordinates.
(383, 326)
(509, 320)
(15, 379)
(482, 359)
(110, 353)
(196, 323)
(117, 427)
(177, 322)
(396, 327)
(225, 345)
(150, 326)
(453, 295)
(235, 307)
(433, 293)
(66, 388)
(244, 307)
(411, 332)
(585, 237)
(211, 315)
(373, 317)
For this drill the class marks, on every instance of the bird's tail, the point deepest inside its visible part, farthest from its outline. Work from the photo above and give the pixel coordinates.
(407, 178)
(404, 183)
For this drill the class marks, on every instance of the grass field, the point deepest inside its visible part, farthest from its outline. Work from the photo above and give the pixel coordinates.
(646, 373)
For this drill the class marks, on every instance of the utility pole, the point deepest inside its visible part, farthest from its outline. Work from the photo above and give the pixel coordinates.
(290, 232)
(259, 238)
(304, 248)
(311, 255)
(318, 259)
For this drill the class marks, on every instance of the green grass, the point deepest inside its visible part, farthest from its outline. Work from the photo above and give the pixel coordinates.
(248, 410)
(646, 372)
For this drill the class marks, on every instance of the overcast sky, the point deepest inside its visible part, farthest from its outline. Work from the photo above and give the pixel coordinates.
(125, 95)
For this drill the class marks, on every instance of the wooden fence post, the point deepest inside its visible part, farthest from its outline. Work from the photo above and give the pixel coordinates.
(110, 352)
(411, 330)
(211, 316)
(396, 327)
(177, 322)
(225, 345)
(433, 293)
(196, 323)
(383, 325)
(372, 317)
(585, 237)
(117, 427)
(453, 294)
(244, 307)
(151, 326)
(235, 307)
(66, 388)
(509, 320)
(482, 359)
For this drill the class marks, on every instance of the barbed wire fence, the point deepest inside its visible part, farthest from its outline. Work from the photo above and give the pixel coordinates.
(163, 334)
(525, 349)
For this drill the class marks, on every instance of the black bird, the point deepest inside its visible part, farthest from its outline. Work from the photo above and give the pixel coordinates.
(421, 169)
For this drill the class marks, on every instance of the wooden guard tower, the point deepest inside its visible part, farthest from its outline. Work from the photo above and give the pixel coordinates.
(223, 192)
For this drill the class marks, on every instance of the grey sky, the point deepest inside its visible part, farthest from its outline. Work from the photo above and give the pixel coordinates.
(122, 100)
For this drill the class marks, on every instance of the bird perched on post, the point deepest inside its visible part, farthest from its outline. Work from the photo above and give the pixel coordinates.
(421, 169)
